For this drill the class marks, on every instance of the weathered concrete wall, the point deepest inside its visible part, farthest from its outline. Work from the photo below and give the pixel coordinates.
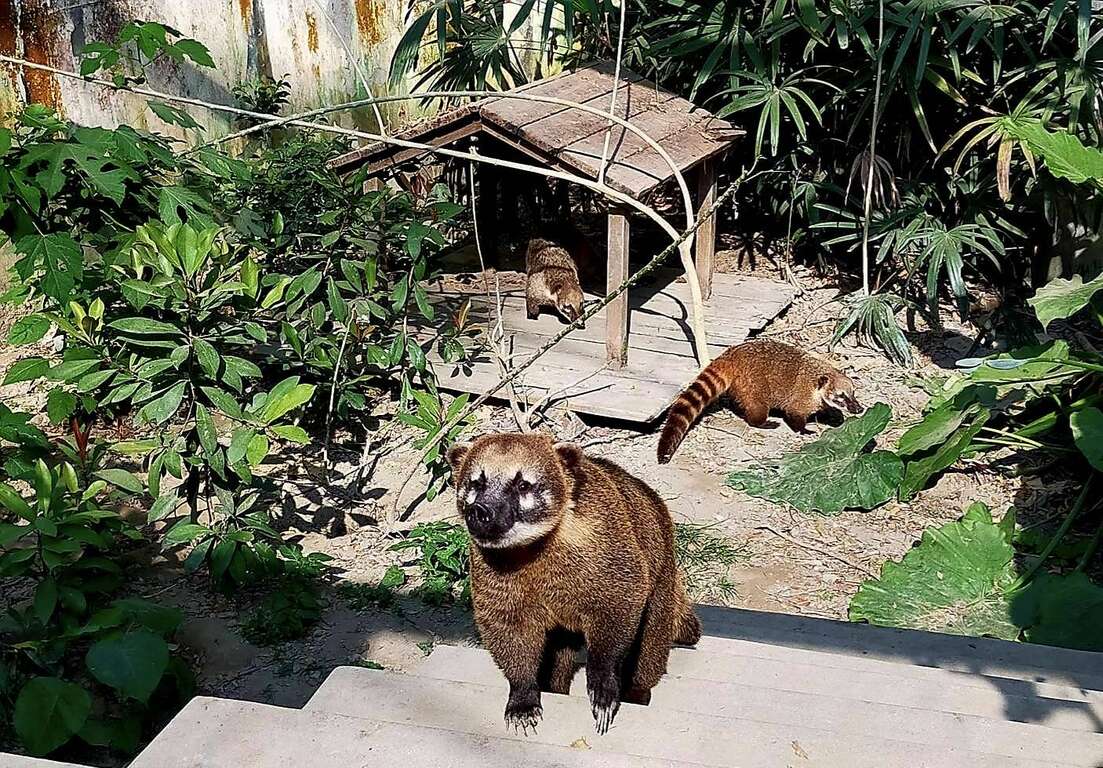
(329, 50)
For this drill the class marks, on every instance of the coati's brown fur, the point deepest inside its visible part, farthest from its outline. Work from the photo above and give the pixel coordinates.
(567, 550)
(552, 280)
(760, 376)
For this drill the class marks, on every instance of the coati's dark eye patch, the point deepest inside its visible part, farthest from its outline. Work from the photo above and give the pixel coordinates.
(522, 485)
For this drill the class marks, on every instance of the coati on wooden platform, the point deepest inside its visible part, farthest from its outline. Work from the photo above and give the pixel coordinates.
(567, 550)
(552, 280)
(760, 376)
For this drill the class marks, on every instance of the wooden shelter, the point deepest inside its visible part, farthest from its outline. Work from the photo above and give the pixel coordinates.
(647, 339)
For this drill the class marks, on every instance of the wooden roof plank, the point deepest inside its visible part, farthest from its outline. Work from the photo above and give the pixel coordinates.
(581, 86)
(572, 139)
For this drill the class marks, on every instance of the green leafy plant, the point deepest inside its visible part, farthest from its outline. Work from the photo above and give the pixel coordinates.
(138, 45)
(956, 580)
(705, 557)
(443, 559)
(288, 612)
(381, 595)
(263, 94)
(962, 578)
(832, 473)
(78, 661)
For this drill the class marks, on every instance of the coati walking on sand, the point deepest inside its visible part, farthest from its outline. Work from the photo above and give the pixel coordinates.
(552, 280)
(760, 376)
(567, 550)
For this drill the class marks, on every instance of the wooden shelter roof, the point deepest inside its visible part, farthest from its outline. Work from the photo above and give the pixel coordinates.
(572, 139)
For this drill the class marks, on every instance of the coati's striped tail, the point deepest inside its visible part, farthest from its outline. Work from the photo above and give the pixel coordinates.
(707, 387)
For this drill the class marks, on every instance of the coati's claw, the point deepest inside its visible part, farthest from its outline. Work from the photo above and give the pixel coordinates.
(603, 716)
(604, 704)
(524, 719)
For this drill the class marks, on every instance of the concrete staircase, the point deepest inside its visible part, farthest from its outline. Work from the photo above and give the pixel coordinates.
(760, 691)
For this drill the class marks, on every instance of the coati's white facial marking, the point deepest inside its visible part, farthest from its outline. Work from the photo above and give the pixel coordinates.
(519, 535)
(472, 494)
(526, 501)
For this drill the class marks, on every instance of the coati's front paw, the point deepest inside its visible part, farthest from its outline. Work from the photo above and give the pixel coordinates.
(604, 701)
(523, 711)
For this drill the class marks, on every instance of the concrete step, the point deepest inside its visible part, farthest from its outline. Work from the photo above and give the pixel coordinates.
(695, 680)
(738, 739)
(709, 648)
(220, 733)
(976, 655)
(19, 761)
(918, 722)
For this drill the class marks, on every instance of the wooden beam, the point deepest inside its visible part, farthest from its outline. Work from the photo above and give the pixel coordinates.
(616, 318)
(706, 234)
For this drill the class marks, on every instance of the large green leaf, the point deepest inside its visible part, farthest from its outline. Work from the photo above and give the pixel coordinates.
(832, 473)
(955, 581)
(1064, 154)
(1087, 433)
(49, 712)
(28, 329)
(27, 369)
(286, 396)
(162, 409)
(57, 257)
(1062, 610)
(920, 470)
(133, 663)
(1060, 299)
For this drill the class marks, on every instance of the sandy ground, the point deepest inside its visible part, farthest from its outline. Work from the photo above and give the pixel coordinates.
(796, 563)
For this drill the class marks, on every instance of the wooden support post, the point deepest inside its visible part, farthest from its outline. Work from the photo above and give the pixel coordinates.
(616, 318)
(706, 234)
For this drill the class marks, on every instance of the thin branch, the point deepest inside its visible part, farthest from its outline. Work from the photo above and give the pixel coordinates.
(819, 550)
(613, 96)
(868, 206)
(333, 389)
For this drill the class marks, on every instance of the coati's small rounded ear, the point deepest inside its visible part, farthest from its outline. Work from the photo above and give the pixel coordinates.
(456, 453)
(569, 453)
(824, 379)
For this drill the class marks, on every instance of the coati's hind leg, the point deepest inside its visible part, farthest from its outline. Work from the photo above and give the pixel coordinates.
(754, 412)
(687, 627)
(655, 639)
(560, 663)
(532, 309)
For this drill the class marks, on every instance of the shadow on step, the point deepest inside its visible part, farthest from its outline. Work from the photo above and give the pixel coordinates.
(1034, 680)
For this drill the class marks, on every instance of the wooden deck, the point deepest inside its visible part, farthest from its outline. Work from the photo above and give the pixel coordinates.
(660, 350)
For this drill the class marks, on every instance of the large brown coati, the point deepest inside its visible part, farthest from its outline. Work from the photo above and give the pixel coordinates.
(552, 281)
(567, 550)
(760, 376)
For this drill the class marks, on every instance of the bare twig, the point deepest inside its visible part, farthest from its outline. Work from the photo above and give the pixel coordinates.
(868, 206)
(333, 390)
(549, 397)
(613, 96)
(820, 550)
